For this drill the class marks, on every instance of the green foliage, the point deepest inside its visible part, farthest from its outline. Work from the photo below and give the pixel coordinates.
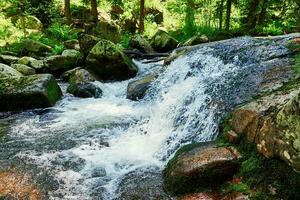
(61, 32)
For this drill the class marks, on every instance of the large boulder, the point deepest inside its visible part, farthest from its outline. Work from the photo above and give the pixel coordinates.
(69, 59)
(140, 43)
(23, 69)
(28, 92)
(87, 42)
(200, 165)
(163, 42)
(36, 47)
(8, 59)
(81, 83)
(108, 30)
(108, 62)
(8, 72)
(38, 65)
(272, 123)
(136, 89)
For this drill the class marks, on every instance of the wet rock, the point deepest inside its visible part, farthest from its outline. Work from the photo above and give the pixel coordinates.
(140, 43)
(69, 59)
(24, 69)
(232, 136)
(142, 184)
(27, 92)
(201, 196)
(163, 42)
(36, 47)
(87, 42)
(77, 75)
(200, 165)
(8, 59)
(38, 65)
(8, 72)
(107, 61)
(136, 89)
(271, 122)
(84, 90)
(14, 185)
(235, 196)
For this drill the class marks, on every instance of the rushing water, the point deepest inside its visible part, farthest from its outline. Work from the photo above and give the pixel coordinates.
(82, 148)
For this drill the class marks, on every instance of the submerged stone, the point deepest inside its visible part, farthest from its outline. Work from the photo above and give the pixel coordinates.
(28, 92)
(136, 89)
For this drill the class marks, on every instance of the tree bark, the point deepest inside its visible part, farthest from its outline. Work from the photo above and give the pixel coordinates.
(94, 10)
(68, 11)
(228, 14)
(252, 15)
(263, 12)
(142, 16)
(221, 15)
(298, 20)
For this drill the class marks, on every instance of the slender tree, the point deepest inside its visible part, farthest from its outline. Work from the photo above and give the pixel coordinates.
(221, 8)
(189, 22)
(263, 12)
(252, 14)
(228, 14)
(142, 16)
(68, 11)
(298, 20)
(94, 10)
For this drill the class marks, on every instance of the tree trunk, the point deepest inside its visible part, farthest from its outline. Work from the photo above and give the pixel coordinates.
(68, 11)
(298, 20)
(221, 15)
(252, 15)
(94, 10)
(228, 14)
(263, 12)
(142, 16)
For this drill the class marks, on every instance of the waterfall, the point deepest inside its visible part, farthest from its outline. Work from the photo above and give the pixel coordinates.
(86, 146)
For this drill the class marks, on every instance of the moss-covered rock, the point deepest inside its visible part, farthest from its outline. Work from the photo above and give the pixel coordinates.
(8, 59)
(36, 47)
(87, 42)
(69, 59)
(136, 89)
(108, 30)
(28, 92)
(38, 65)
(163, 42)
(23, 69)
(140, 43)
(8, 72)
(107, 61)
(199, 166)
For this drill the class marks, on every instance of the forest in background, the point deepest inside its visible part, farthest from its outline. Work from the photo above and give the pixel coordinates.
(217, 19)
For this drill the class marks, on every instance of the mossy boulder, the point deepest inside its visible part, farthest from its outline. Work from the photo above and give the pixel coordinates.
(29, 22)
(81, 83)
(108, 30)
(140, 43)
(137, 89)
(8, 72)
(8, 59)
(28, 92)
(87, 42)
(72, 44)
(69, 59)
(23, 69)
(198, 166)
(36, 47)
(38, 65)
(163, 42)
(107, 61)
